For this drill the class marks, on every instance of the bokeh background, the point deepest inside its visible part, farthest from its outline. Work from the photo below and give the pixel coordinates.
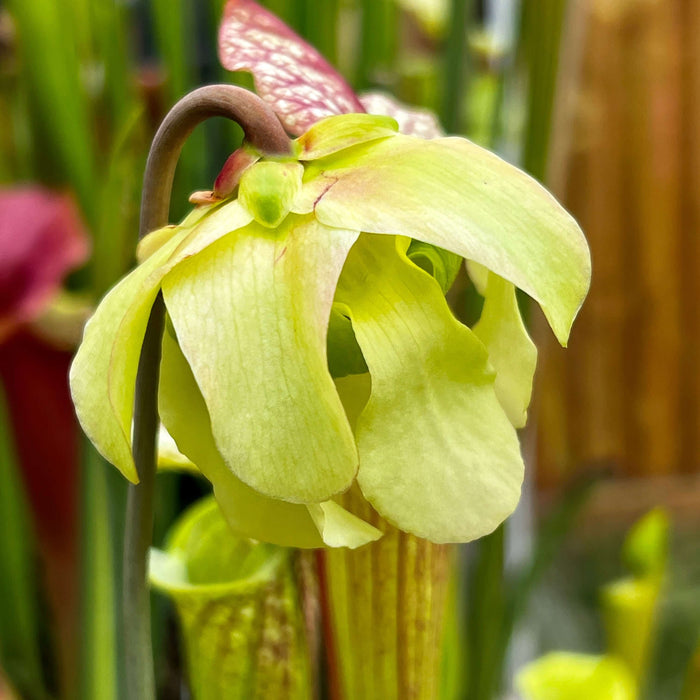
(598, 99)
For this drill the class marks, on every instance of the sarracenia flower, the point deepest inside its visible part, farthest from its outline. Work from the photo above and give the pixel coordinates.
(306, 350)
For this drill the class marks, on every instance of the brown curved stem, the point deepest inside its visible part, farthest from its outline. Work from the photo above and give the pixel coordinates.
(264, 131)
(261, 127)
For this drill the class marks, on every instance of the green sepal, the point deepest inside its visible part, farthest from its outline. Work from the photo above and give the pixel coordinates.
(333, 134)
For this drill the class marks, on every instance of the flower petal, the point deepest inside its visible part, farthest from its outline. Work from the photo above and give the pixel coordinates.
(458, 196)
(339, 527)
(219, 221)
(169, 457)
(251, 314)
(511, 351)
(156, 239)
(103, 373)
(438, 456)
(290, 75)
(248, 512)
(334, 134)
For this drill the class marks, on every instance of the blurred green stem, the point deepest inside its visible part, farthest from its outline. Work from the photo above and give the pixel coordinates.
(19, 648)
(485, 609)
(49, 52)
(99, 675)
(378, 42)
(456, 56)
(540, 36)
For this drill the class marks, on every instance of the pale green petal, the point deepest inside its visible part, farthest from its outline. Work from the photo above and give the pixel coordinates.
(311, 192)
(478, 274)
(156, 239)
(268, 189)
(336, 133)
(169, 457)
(567, 676)
(340, 528)
(251, 314)
(438, 456)
(458, 196)
(103, 373)
(511, 351)
(354, 392)
(248, 512)
(228, 217)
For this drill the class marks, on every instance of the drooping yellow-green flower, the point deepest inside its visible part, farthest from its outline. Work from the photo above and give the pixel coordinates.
(280, 413)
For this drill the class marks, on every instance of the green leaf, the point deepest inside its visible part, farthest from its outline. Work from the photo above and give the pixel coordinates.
(202, 556)
(19, 614)
(438, 456)
(568, 676)
(99, 660)
(511, 351)
(453, 194)
(248, 512)
(251, 315)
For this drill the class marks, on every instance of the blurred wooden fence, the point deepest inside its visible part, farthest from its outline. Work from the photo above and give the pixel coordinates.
(626, 162)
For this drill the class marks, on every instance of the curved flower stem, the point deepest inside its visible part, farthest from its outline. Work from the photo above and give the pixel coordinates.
(264, 132)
